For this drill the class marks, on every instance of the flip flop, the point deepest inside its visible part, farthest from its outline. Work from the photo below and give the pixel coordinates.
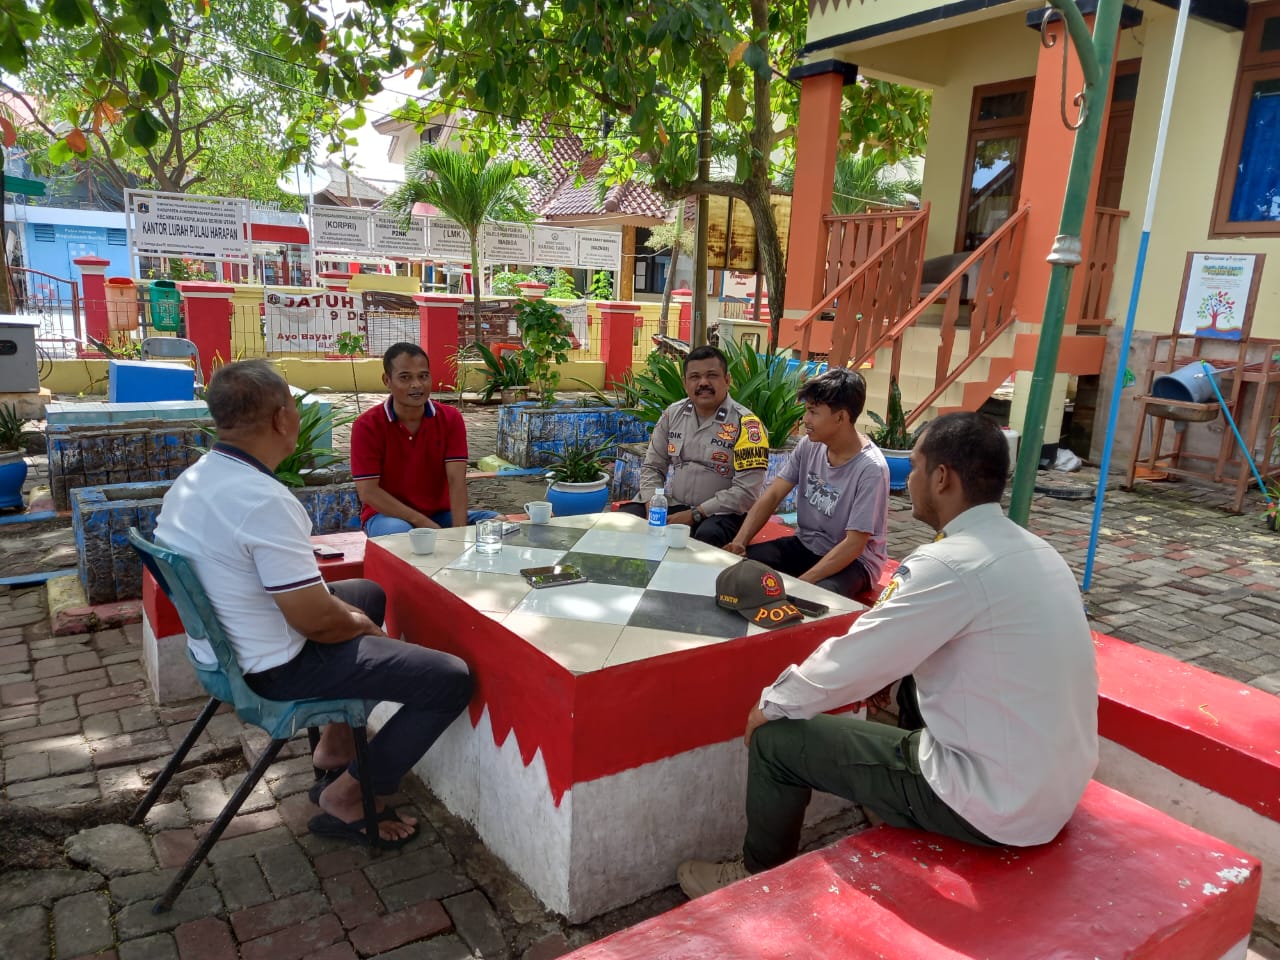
(327, 825)
(322, 782)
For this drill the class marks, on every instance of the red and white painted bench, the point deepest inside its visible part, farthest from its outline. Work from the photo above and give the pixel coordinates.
(1121, 880)
(1199, 746)
(164, 644)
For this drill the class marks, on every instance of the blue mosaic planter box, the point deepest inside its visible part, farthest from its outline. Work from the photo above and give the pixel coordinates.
(101, 517)
(99, 454)
(528, 434)
(626, 476)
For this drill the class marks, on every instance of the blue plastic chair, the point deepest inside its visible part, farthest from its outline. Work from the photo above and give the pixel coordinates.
(282, 720)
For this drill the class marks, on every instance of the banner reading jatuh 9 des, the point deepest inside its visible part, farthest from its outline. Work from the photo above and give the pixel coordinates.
(309, 322)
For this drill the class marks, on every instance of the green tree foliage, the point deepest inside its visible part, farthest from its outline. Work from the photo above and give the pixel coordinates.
(182, 96)
(627, 79)
(469, 188)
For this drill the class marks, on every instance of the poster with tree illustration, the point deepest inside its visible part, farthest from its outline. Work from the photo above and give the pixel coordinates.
(1218, 295)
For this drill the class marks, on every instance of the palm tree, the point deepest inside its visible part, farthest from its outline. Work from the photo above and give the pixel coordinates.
(864, 182)
(469, 188)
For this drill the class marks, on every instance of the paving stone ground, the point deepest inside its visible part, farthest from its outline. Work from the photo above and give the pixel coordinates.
(80, 740)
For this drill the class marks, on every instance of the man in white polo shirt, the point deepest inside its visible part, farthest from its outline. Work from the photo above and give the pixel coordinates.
(987, 621)
(248, 539)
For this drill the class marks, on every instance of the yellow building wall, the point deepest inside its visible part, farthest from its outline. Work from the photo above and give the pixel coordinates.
(833, 18)
(1192, 160)
(951, 64)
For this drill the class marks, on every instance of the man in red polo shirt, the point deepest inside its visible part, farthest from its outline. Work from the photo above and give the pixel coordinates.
(409, 455)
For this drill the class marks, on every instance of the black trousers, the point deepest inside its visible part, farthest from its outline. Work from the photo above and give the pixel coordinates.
(716, 531)
(788, 555)
(432, 687)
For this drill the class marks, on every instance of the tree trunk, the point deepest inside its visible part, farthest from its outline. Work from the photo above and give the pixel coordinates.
(671, 277)
(769, 249)
(475, 282)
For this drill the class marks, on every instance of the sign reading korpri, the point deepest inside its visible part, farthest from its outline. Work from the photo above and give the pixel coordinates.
(392, 238)
(599, 250)
(447, 240)
(508, 243)
(555, 247)
(340, 228)
(309, 322)
(208, 229)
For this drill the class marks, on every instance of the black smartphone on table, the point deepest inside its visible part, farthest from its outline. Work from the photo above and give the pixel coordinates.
(556, 575)
(810, 608)
(328, 553)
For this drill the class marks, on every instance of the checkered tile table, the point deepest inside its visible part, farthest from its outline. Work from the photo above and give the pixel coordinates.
(609, 713)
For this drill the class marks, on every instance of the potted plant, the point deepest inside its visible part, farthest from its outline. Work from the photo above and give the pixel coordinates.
(893, 438)
(13, 464)
(576, 479)
(545, 334)
(508, 373)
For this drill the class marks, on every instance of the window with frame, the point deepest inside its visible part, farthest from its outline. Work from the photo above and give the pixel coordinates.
(1248, 198)
(994, 158)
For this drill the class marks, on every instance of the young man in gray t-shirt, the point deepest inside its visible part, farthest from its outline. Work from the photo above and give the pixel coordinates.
(842, 504)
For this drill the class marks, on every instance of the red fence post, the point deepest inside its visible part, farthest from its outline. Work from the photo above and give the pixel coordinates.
(439, 334)
(617, 333)
(93, 287)
(208, 310)
(684, 298)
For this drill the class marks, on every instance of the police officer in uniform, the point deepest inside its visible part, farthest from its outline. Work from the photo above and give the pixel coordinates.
(717, 451)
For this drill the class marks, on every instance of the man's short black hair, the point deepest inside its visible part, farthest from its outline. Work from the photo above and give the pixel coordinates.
(974, 447)
(400, 349)
(705, 352)
(245, 393)
(839, 388)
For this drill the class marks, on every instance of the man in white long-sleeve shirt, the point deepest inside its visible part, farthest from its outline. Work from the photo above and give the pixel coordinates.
(988, 621)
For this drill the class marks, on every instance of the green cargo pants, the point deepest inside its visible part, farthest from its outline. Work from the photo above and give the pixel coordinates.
(869, 763)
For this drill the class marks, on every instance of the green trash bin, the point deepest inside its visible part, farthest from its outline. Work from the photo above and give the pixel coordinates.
(165, 305)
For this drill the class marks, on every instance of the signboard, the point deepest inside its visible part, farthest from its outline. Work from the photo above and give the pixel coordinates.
(167, 225)
(309, 323)
(599, 250)
(508, 243)
(1218, 295)
(576, 314)
(555, 247)
(340, 228)
(391, 239)
(446, 240)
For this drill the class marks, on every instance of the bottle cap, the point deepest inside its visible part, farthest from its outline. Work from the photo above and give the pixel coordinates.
(657, 492)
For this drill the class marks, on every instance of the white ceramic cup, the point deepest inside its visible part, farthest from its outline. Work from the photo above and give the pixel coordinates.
(422, 540)
(539, 511)
(677, 535)
(489, 536)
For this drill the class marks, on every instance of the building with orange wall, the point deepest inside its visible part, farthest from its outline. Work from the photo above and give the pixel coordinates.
(998, 143)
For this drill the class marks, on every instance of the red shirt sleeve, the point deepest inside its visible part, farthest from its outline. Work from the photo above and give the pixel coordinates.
(367, 446)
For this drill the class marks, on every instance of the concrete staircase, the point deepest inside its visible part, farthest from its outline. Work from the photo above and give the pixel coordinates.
(917, 377)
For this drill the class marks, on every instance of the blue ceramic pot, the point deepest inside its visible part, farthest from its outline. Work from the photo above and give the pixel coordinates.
(572, 499)
(899, 466)
(13, 474)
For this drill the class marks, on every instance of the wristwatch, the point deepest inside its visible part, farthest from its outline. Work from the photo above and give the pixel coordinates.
(697, 515)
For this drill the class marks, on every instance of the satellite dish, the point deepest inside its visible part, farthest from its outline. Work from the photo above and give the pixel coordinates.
(304, 183)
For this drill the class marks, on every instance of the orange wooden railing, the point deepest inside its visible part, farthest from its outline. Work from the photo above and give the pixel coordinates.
(854, 239)
(883, 284)
(1100, 266)
(995, 265)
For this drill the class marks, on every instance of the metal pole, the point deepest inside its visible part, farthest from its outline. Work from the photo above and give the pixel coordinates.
(698, 333)
(1066, 252)
(1126, 339)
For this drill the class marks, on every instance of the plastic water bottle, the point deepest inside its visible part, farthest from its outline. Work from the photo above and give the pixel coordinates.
(658, 513)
